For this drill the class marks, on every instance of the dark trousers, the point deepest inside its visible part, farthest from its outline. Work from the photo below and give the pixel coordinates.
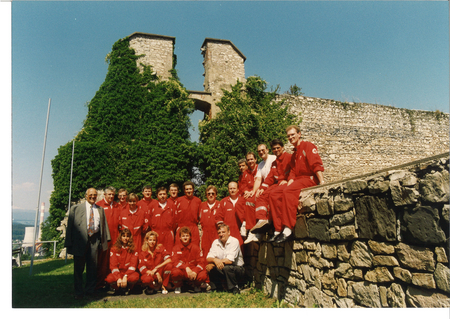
(89, 259)
(230, 275)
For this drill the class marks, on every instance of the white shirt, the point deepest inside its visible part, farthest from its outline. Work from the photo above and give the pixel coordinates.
(265, 166)
(231, 251)
(96, 216)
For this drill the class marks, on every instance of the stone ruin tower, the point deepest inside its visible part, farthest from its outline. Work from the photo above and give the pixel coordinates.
(222, 60)
(157, 51)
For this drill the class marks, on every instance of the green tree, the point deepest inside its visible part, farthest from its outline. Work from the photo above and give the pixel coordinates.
(249, 116)
(136, 133)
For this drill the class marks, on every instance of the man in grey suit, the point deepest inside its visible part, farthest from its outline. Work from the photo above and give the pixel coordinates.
(87, 233)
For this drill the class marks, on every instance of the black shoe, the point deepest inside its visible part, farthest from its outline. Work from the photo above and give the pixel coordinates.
(282, 238)
(261, 227)
(273, 238)
(236, 291)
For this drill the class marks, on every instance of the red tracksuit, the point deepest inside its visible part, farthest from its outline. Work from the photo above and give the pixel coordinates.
(112, 213)
(135, 223)
(122, 262)
(246, 181)
(208, 223)
(174, 201)
(304, 164)
(279, 172)
(148, 261)
(232, 215)
(187, 256)
(162, 221)
(187, 215)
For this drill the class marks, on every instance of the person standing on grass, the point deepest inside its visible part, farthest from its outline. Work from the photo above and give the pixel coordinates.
(123, 263)
(133, 218)
(87, 233)
(154, 265)
(122, 196)
(207, 219)
(187, 213)
(173, 191)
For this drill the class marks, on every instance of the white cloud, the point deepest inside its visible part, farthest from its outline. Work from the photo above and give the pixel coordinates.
(27, 186)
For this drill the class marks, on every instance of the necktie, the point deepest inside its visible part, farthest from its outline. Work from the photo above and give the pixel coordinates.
(91, 222)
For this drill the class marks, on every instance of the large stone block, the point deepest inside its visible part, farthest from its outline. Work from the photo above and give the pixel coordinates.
(318, 229)
(314, 298)
(343, 204)
(360, 255)
(442, 277)
(342, 219)
(421, 226)
(415, 257)
(423, 280)
(379, 274)
(324, 206)
(355, 186)
(301, 228)
(365, 294)
(381, 248)
(424, 298)
(374, 218)
(402, 196)
(396, 296)
(434, 188)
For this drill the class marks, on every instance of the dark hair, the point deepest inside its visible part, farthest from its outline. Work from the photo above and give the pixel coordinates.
(161, 189)
(119, 244)
(188, 183)
(250, 153)
(174, 185)
(276, 141)
(185, 230)
(147, 187)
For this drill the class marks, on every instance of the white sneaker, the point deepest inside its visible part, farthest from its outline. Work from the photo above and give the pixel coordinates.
(164, 292)
(251, 237)
(178, 290)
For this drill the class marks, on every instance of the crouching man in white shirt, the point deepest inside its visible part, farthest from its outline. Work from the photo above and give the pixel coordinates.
(225, 261)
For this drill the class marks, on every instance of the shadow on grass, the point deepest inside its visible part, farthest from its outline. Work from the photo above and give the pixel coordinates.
(49, 286)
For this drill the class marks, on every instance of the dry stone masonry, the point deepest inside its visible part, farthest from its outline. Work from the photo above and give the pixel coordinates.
(377, 241)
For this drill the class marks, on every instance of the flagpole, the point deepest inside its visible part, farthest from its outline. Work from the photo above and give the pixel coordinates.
(39, 193)
(70, 185)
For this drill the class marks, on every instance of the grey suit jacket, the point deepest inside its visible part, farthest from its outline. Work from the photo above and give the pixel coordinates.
(76, 232)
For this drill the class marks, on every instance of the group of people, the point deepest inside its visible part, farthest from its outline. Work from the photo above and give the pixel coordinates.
(177, 241)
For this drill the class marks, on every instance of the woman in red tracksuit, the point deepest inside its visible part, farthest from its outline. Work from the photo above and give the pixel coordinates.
(154, 264)
(207, 212)
(132, 217)
(123, 262)
(187, 264)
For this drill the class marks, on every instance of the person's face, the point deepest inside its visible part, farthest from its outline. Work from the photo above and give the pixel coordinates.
(109, 196)
(173, 192)
(162, 196)
(125, 238)
(233, 189)
(189, 190)
(211, 196)
(293, 136)
(122, 197)
(243, 167)
(223, 233)
(91, 196)
(185, 239)
(251, 161)
(263, 152)
(277, 150)
(132, 203)
(147, 193)
(152, 242)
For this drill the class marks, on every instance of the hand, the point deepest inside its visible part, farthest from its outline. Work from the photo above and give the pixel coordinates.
(219, 263)
(119, 283)
(290, 182)
(209, 267)
(191, 275)
(282, 183)
(248, 194)
(158, 276)
(124, 281)
(259, 192)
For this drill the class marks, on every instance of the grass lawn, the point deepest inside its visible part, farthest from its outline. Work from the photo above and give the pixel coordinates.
(51, 286)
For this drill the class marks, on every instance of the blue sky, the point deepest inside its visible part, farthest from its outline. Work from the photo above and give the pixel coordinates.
(390, 53)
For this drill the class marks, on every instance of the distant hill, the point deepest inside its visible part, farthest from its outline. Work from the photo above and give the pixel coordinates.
(22, 218)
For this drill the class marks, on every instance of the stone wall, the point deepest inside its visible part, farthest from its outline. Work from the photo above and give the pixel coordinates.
(156, 50)
(377, 241)
(224, 65)
(357, 138)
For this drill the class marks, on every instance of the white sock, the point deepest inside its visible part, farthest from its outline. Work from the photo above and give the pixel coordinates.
(276, 233)
(287, 231)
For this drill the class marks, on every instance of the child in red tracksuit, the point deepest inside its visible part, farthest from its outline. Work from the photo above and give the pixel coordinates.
(154, 264)
(123, 262)
(187, 264)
